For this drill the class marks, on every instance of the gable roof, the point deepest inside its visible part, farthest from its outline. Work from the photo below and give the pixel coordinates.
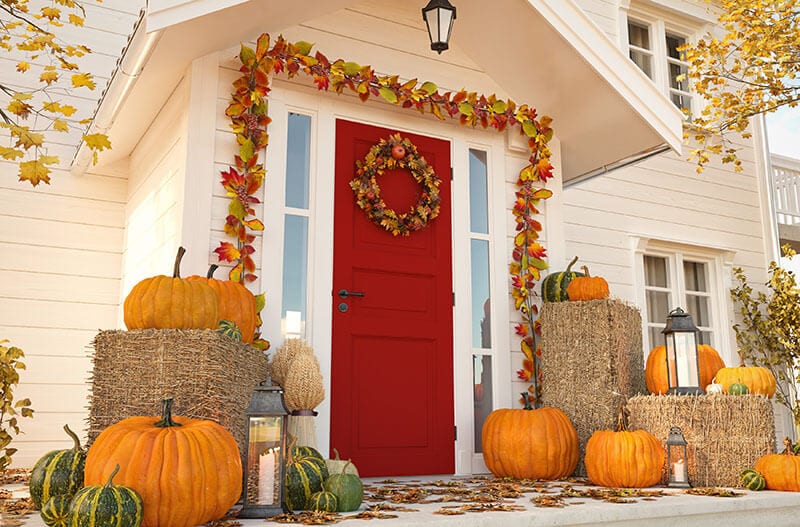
(546, 53)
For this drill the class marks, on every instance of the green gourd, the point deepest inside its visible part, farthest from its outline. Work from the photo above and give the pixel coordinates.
(323, 501)
(347, 488)
(753, 479)
(108, 505)
(305, 472)
(738, 389)
(230, 329)
(554, 286)
(55, 511)
(58, 472)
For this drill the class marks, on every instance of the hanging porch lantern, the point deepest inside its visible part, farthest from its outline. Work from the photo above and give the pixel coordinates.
(266, 453)
(677, 459)
(439, 16)
(683, 366)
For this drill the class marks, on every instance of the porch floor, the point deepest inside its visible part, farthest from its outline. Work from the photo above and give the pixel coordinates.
(673, 509)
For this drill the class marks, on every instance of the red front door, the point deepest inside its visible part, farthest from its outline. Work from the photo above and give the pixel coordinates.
(392, 356)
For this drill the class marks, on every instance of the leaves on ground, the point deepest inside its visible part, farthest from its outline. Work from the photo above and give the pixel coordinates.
(713, 491)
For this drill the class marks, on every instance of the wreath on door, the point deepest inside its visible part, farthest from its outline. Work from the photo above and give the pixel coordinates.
(388, 154)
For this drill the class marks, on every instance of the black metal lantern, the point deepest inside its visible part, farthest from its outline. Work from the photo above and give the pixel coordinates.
(266, 452)
(677, 459)
(439, 16)
(683, 366)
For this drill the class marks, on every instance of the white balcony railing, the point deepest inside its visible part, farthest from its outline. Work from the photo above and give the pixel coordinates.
(786, 182)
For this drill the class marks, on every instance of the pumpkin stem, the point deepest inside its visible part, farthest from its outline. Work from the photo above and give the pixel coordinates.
(289, 456)
(571, 263)
(622, 419)
(586, 271)
(527, 399)
(211, 269)
(74, 438)
(166, 414)
(111, 477)
(344, 468)
(336, 453)
(176, 270)
(789, 450)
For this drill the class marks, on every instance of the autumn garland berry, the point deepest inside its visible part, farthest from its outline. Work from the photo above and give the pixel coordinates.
(396, 153)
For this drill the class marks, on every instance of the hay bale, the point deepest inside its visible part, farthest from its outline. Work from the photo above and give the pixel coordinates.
(592, 362)
(209, 376)
(725, 434)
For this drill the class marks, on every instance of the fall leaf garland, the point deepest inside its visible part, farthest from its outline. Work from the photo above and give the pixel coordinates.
(396, 153)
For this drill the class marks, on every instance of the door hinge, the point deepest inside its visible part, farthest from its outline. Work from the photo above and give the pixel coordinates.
(451, 173)
(455, 433)
(454, 298)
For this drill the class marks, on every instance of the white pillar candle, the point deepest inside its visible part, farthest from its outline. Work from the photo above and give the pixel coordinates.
(679, 471)
(266, 478)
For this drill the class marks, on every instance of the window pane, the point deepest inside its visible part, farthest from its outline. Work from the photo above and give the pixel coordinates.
(638, 35)
(481, 395)
(705, 338)
(644, 62)
(655, 271)
(478, 196)
(657, 306)
(481, 322)
(298, 146)
(682, 101)
(673, 43)
(295, 264)
(697, 306)
(695, 276)
(656, 338)
(676, 70)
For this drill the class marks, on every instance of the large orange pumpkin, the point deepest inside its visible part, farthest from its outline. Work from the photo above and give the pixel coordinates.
(587, 287)
(528, 443)
(623, 458)
(163, 302)
(757, 379)
(187, 471)
(236, 303)
(656, 368)
(781, 471)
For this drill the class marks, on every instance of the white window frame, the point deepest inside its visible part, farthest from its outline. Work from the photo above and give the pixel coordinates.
(718, 264)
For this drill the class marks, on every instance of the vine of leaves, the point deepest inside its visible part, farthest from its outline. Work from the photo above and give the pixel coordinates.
(249, 119)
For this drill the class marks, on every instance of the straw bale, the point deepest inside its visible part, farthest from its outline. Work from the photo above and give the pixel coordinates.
(209, 375)
(592, 362)
(725, 434)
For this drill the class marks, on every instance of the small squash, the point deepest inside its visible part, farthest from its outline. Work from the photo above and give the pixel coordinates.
(554, 286)
(108, 505)
(58, 472)
(235, 302)
(587, 287)
(347, 488)
(163, 302)
(230, 329)
(187, 471)
(55, 512)
(714, 388)
(528, 443)
(753, 479)
(781, 471)
(655, 371)
(336, 465)
(738, 388)
(305, 473)
(323, 501)
(623, 458)
(757, 379)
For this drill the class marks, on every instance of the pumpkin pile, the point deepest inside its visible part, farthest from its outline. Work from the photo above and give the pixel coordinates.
(309, 485)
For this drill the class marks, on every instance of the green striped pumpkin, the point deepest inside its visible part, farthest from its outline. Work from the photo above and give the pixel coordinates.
(305, 472)
(554, 286)
(55, 511)
(753, 479)
(323, 501)
(347, 488)
(230, 329)
(106, 506)
(58, 472)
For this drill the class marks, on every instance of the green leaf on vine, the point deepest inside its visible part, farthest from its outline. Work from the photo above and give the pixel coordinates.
(351, 68)
(466, 109)
(529, 128)
(303, 47)
(247, 56)
(236, 209)
(247, 150)
(388, 94)
(429, 88)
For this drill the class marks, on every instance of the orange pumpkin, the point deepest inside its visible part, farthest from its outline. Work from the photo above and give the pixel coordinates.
(624, 459)
(757, 379)
(163, 302)
(528, 443)
(587, 287)
(235, 302)
(187, 471)
(655, 370)
(781, 471)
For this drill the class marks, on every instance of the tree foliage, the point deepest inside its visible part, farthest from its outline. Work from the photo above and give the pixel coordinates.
(769, 334)
(751, 70)
(29, 36)
(10, 363)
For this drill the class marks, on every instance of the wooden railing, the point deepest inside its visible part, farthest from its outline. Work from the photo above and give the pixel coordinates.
(786, 183)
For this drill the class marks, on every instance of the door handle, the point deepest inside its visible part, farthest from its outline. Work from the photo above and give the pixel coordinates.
(344, 293)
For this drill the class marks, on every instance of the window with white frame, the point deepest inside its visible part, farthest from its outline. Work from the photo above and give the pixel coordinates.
(653, 46)
(686, 280)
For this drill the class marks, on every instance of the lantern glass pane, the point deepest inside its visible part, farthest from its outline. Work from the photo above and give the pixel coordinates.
(686, 359)
(672, 368)
(264, 460)
(432, 21)
(445, 21)
(678, 472)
